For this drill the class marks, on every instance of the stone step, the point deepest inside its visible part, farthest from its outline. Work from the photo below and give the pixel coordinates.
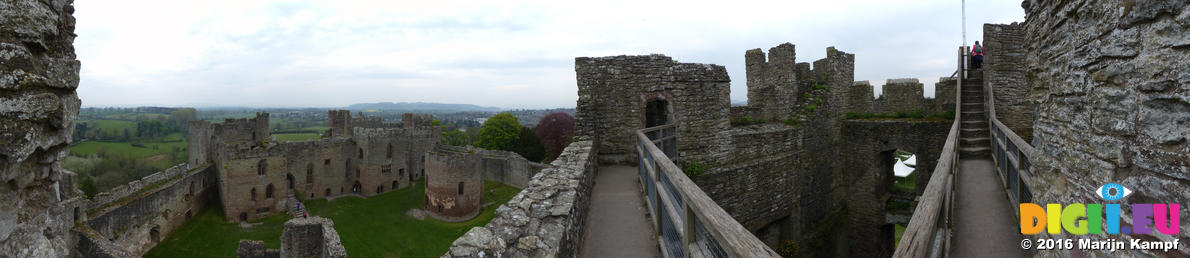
(975, 142)
(984, 152)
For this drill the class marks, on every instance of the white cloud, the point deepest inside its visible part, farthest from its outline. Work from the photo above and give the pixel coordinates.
(506, 53)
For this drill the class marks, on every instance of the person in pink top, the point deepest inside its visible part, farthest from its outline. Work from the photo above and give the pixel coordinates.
(976, 55)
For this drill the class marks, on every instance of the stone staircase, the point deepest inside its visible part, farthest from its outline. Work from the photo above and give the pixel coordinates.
(295, 210)
(974, 137)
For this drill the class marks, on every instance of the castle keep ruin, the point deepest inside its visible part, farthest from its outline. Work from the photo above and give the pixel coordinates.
(803, 165)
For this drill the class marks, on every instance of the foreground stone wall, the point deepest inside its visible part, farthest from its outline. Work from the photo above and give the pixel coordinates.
(137, 222)
(303, 237)
(944, 91)
(1004, 72)
(545, 219)
(1113, 103)
(38, 104)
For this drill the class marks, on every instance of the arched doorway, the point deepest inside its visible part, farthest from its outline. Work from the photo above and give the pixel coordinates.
(243, 217)
(289, 179)
(155, 234)
(355, 188)
(656, 112)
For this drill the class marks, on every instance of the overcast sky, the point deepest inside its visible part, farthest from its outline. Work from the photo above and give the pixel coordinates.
(510, 54)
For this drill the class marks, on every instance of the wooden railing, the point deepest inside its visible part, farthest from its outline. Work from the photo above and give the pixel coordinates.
(929, 230)
(687, 221)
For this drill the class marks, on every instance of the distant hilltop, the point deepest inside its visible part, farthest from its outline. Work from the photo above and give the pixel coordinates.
(422, 107)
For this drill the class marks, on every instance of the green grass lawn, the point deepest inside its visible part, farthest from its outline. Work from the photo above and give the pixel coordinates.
(208, 234)
(900, 230)
(373, 227)
(294, 137)
(379, 227)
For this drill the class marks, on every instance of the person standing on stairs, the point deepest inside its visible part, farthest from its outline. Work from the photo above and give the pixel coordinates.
(976, 55)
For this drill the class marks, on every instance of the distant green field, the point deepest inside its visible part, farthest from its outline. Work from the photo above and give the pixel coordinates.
(151, 148)
(293, 137)
(208, 234)
(113, 126)
(373, 227)
(136, 116)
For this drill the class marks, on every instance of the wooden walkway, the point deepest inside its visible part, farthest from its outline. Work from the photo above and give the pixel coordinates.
(617, 223)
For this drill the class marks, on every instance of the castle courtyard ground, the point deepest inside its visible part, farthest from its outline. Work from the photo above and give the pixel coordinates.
(368, 227)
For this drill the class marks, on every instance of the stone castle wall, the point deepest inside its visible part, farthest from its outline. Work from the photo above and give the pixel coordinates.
(613, 92)
(136, 223)
(364, 161)
(302, 237)
(861, 98)
(1004, 72)
(772, 84)
(546, 218)
(39, 73)
(454, 183)
(252, 130)
(944, 94)
(104, 199)
(903, 95)
(1113, 102)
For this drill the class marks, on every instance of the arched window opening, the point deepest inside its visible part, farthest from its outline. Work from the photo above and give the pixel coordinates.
(310, 173)
(253, 194)
(389, 153)
(268, 191)
(261, 167)
(460, 188)
(361, 153)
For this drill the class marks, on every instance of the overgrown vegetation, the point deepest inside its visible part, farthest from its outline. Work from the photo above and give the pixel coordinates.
(695, 169)
(946, 115)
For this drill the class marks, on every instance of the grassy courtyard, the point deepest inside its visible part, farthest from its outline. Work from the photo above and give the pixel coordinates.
(208, 234)
(295, 137)
(373, 227)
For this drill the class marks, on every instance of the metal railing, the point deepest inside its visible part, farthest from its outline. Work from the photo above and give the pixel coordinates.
(687, 221)
(929, 231)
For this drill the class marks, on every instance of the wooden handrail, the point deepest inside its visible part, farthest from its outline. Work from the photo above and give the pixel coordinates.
(730, 236)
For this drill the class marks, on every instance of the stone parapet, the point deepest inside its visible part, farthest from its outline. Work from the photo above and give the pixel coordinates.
(545, 219)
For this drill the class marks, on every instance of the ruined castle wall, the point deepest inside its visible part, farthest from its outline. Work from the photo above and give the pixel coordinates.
(454, 183)
(903, 95)
(944, 91)
(869, 145)
(198, 140)
(136, 223)
(303, 237)
(861, 98)
(316, 166)
(251, 130)
(613, 92)
(383, 161)
(244, 191)
(772, 84)
(105, 199)
(545, 219)
(339, 122)
(38, 105)
(311, 237)
(1113, 102)
(1004, 72)
(759, 186)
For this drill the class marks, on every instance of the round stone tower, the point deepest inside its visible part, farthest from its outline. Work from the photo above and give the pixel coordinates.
(454, 183)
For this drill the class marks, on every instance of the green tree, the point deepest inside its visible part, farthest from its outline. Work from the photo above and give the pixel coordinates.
(500, 132)
(455, 137)
(529, 146)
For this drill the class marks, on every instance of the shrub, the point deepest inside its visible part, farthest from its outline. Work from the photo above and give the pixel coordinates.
(694, 169)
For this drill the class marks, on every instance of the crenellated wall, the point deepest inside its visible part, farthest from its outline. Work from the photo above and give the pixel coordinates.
(903, 95)
(772, 83)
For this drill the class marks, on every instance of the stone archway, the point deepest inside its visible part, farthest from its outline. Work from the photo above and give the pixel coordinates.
(657, 112)
(356, 188)
(289, 180)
